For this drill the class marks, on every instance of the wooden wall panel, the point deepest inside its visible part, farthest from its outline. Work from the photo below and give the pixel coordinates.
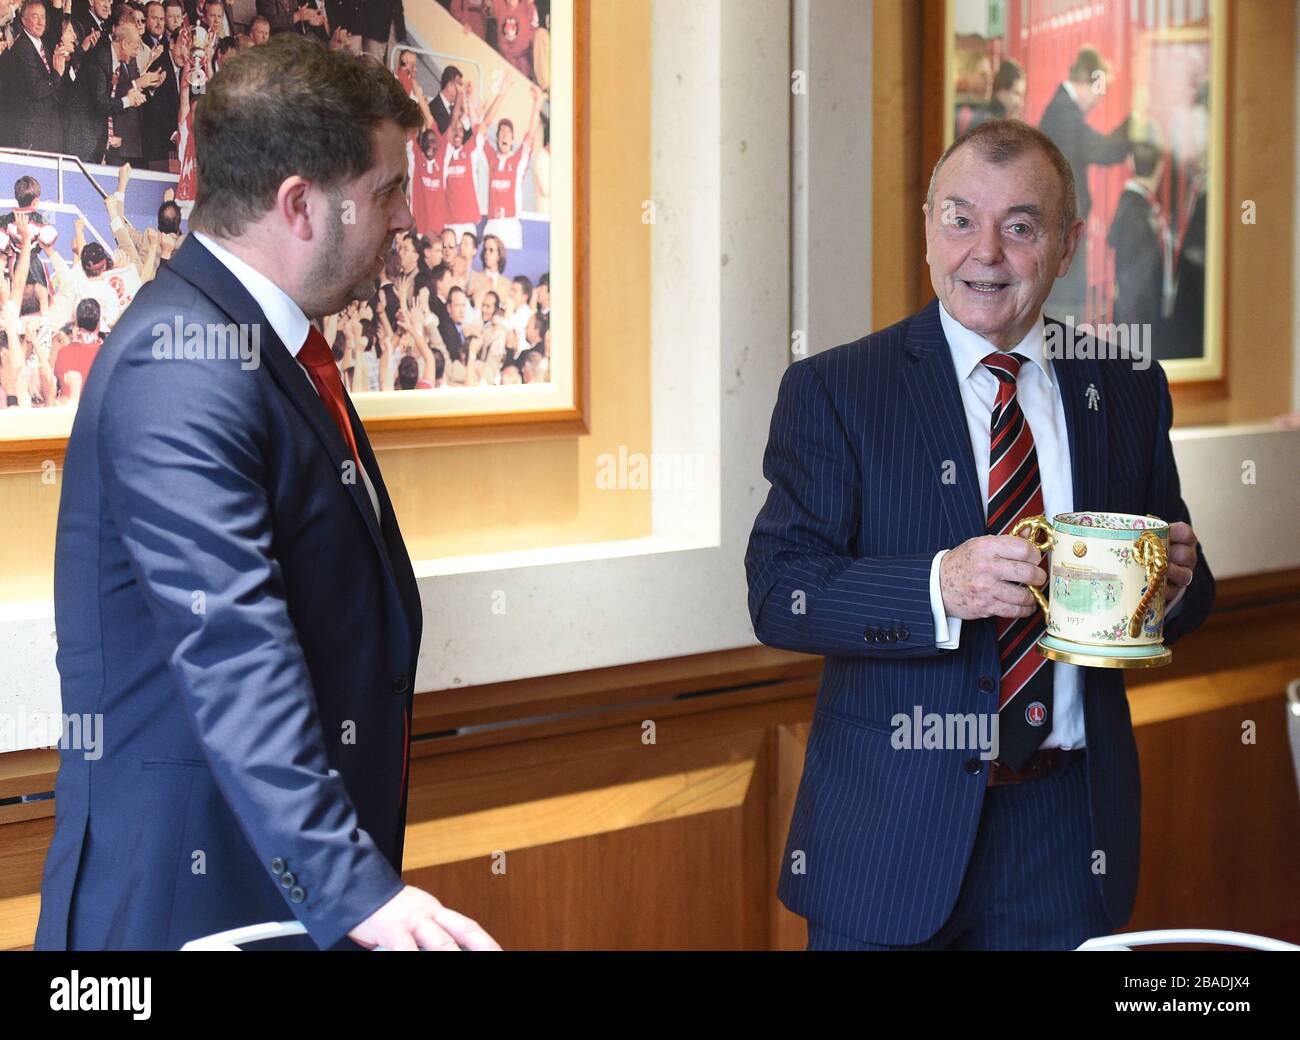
(611, 842)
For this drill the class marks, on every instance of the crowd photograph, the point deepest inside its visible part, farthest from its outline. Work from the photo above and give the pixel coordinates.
(464, 299)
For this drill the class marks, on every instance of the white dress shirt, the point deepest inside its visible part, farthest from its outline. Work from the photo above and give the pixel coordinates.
(1039, 396)
(284, 316)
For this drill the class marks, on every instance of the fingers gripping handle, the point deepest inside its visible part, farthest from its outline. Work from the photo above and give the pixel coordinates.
(1041, 537)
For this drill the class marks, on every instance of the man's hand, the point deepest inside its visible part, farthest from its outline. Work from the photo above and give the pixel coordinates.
(1182, 562)
(986, 577)
(415, 920)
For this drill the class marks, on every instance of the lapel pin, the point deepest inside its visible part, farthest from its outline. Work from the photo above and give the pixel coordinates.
(1093, 397)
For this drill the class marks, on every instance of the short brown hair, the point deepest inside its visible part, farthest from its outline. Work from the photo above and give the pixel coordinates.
(1087, 63)
(1000, 141)
(289, 107)
(1008, 74)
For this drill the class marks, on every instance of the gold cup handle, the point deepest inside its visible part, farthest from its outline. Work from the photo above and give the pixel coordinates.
(1150, 552)
(1041, 537)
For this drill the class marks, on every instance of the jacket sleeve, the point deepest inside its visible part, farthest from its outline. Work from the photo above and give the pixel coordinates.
(1166, 502)
(103, 103)
(183, 457)
(1105, 149)
(808, 589)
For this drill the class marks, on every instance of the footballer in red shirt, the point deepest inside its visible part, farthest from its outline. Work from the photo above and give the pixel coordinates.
(506, 169)
(428, 194)
(463, 211)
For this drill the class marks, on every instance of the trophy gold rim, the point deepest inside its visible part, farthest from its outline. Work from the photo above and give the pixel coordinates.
(1105, 660)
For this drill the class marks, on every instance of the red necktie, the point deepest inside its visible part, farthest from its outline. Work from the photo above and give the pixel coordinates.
(1015, 491)
(317, 358)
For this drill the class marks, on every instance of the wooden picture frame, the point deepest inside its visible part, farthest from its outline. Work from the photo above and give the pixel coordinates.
(36, 441)
(1197, 378)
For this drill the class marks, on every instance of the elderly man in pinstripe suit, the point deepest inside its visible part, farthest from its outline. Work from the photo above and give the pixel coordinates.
(899, 464)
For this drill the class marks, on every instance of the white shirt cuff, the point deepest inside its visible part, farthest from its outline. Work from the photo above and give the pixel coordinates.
(947, 630)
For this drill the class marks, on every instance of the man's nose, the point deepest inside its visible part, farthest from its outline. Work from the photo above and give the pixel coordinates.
(988, 249)
(404, 219)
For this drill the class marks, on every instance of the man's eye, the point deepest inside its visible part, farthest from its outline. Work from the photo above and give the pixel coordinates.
(960, 221)
(1021, 229)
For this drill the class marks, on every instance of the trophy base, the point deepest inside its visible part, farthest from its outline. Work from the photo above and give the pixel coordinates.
(1057, 649)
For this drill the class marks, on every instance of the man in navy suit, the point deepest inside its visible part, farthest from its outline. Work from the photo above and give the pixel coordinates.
(899, 464)
(1065, 121)
(33, 79)
(232, 593)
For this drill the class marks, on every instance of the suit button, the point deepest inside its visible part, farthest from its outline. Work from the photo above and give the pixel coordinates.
(986, 684)
(400, 684)
(297, 894)
(888, 635)
(277, 865)
(903, 633)
(287, 879)
(973, 766)
(869, 635)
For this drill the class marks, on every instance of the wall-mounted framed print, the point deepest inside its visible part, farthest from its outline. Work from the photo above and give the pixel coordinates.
(460, 342)
(1134, 93)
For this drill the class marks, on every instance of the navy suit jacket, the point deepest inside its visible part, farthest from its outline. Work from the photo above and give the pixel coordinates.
(862, 438)
(1064, 122)
(226, 598)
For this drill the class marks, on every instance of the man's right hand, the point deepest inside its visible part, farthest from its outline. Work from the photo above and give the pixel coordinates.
(415, 920)
(986, 577)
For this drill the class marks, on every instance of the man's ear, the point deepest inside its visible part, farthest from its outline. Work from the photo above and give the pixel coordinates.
(293, 206)
(1072, 236)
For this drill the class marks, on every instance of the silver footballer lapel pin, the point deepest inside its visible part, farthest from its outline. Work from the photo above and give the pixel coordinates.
(1093, 397)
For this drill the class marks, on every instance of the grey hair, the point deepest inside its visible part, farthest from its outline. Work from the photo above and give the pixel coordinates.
(999, 141)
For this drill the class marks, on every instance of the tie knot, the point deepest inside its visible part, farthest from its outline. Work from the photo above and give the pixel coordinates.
(1005, 366)
(315, 352)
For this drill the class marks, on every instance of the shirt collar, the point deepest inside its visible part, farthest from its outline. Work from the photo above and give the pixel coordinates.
(284, 316)
(1071, 90)
(970, 348)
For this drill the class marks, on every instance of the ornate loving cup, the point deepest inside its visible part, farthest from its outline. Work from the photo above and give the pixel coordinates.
(1105, 601)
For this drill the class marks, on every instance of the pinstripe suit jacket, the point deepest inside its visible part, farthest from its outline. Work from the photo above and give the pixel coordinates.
(861, 441)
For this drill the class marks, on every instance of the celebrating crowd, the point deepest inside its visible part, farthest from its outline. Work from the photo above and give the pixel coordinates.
(446, 312)
(449, 311)
(113, 82)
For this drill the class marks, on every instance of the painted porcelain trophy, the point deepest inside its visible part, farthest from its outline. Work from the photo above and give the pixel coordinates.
(1105, 602)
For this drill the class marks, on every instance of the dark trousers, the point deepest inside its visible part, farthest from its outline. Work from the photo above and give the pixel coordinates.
(1029, 884)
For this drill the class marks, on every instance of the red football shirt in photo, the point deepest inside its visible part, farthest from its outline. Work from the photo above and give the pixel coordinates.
(505, 185)
(428, 195)
(77, 356)
(458, 176)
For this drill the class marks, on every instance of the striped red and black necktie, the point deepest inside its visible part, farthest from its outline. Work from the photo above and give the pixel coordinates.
(1016, 491)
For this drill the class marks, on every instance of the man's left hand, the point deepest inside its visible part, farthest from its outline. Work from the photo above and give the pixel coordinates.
(1182, 561)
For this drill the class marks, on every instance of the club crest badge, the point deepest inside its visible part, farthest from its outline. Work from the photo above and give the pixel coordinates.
(1036, 713)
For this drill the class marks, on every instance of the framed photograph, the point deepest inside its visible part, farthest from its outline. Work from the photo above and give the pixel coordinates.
(1134, 94)
(478, 330)
(498, 195)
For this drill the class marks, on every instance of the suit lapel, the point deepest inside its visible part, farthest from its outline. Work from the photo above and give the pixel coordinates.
(1081, 385)
(395, 555)
(931, 383)
(212, 278)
